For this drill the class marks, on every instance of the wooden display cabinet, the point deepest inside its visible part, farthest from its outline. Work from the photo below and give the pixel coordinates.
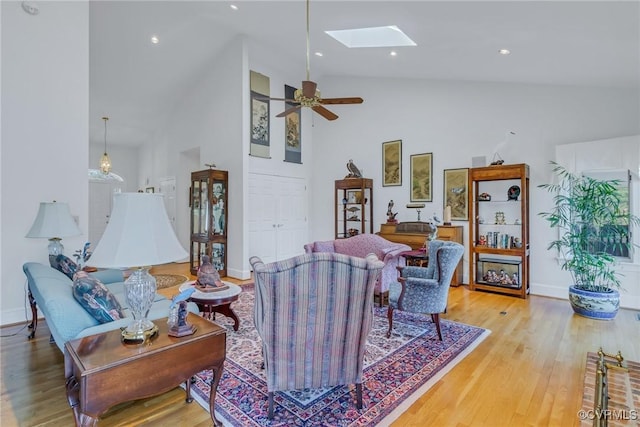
(499, 229)
(209, 216)
(353, 207)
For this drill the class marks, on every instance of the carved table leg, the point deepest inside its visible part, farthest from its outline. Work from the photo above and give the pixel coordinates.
(34, 316)
(73, 396)
(187, 388)
(217, 374)
(226, 310)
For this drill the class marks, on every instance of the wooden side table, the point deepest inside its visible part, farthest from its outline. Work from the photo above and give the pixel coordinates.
(211, 303)
(101, 371)
(418, 258)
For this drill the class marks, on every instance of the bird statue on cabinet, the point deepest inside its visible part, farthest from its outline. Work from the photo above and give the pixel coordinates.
(354, 172)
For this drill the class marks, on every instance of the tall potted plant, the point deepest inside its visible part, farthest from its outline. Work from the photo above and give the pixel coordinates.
(593, 228)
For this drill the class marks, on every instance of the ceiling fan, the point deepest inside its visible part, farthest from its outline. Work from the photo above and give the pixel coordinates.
(309, 95)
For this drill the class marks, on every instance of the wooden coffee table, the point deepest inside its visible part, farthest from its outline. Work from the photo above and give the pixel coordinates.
(101, 371)
(211, 303)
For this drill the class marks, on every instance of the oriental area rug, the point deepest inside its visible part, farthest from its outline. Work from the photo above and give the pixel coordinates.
(169, 280)
(397, 371)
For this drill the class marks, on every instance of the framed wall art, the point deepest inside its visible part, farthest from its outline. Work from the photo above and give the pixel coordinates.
(421, 182)
(392, 163)
(259, 115)
(455, 194)
(293, 134)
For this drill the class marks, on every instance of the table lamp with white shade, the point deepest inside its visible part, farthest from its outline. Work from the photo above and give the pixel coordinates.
(53, 222)
(138, 235)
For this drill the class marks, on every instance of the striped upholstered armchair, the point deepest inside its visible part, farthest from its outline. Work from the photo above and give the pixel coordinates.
(426, 289)
(313, 313)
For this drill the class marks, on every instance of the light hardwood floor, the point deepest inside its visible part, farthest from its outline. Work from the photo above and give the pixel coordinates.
(528, 372)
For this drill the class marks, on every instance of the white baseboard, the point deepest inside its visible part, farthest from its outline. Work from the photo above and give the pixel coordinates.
(239, 274)
(15, 315)
(549, 291)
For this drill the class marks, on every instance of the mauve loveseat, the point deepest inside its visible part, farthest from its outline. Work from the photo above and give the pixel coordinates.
(362, 245)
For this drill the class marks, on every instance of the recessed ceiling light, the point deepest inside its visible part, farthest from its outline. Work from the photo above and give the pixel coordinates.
(393, 53)
(233, 6)
(504, 51)
(319, 54)
(386, 36)
(155, 39)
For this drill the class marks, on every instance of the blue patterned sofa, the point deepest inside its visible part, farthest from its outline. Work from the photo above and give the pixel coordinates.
(51, 291)
(313, 313)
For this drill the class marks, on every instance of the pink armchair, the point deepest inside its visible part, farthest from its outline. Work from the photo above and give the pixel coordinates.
(362, 245)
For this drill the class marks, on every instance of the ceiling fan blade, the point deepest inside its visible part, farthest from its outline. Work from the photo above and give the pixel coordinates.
(266, 98)
(353, 100)
(324, 112)
(309, 88)
(289, 111)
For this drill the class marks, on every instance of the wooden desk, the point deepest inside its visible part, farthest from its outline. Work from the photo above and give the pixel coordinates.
(101, 371)
(416, 241)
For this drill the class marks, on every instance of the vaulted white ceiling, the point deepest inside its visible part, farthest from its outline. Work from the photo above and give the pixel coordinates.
(590, 43)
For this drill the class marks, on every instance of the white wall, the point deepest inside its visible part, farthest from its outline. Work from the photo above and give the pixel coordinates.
(45, 93)
(457, 121)
(609, 154)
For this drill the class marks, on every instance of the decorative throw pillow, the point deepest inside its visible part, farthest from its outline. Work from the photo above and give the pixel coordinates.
(65, 265)
(94, 297)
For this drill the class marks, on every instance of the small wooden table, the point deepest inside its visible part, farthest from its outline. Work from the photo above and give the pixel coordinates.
(211, 303)
(418, 257)
(101, 371)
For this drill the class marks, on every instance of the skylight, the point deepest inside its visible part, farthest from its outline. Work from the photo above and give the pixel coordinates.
(387, 36)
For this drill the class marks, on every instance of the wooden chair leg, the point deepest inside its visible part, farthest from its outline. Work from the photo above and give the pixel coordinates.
(436, 319)
(270, 414)
(390, 318)
(359, 395)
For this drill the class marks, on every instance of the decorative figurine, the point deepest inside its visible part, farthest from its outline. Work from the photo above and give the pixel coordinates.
(391, 217)
(513, 192)
(178, 325)
(208, 277)
(354, 172)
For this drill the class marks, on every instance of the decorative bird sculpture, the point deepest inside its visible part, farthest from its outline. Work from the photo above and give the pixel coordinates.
(354, 172)
(182, 296)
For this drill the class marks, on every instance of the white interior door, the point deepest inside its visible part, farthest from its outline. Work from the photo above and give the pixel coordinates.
(168, 189)
(277, 217)
(100, 203)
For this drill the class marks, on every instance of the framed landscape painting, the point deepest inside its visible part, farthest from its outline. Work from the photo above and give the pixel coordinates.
(456, 182)
(421, 182)
(392, 163)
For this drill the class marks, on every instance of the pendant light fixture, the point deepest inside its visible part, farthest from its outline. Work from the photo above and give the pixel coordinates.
(105, 161)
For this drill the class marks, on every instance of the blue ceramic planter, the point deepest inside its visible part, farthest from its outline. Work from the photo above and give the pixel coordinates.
(595, 305)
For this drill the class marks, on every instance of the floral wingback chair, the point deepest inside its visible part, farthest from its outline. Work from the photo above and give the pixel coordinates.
(313, 313)
(426, 289)
(363, 244)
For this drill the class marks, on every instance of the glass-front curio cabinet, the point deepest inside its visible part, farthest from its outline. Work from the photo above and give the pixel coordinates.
(209, 189)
